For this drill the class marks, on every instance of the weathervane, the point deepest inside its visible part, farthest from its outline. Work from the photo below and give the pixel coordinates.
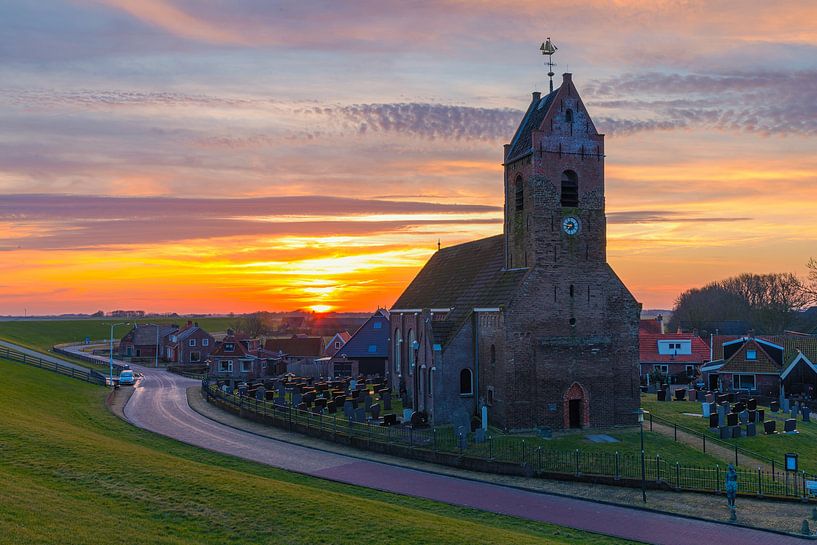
(547, 48)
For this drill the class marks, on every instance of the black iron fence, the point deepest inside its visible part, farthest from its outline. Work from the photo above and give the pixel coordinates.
(88, 375)
(513, 455)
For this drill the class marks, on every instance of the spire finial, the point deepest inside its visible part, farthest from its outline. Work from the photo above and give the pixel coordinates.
(438, 245)
(547, 48)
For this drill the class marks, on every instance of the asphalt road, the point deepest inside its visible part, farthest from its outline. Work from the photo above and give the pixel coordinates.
(159, 404)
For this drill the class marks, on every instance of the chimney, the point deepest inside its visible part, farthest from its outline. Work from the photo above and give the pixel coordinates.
(230, 332)
(189, 323)
(537, 96)
(660, 320)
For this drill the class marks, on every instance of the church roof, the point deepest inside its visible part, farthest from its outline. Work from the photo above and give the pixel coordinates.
(522, 140)
(461, 278)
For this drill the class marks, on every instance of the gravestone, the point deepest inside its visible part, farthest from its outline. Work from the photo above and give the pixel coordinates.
(735, 432)
(770, 426)
(353, 384)
(751, 429)
(740, 406)
(360, 415)
(242, 389)
(308, 397)
(790, 426)
(375, 410)
(661, 395)
(761, 415)
(331, 407)
(348, 409)
(419, 419)
(480, 436)
(730, 397)
(320, 402)
(723, 398)
(752, 416)
(743, 416)
(752, 404)
(793, 412)
(806, 411)
(460, 419)
(706, 409)
(774, 406)
(407, 415)
(368, 401)
(260, 393)
(713, 421)
(693, 395)
(731, 419)
(785, 405)
(722, 409)
(680, 394)
(302, 406)
(281, 389)
(297, 398)
(725, 432)
(385, 397)
(709, 398)
(389, 419)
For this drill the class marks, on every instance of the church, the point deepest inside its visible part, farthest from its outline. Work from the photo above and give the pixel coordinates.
(532, 324)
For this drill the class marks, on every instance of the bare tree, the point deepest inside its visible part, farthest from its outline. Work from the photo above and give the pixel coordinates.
(811, 288)
(253, 325)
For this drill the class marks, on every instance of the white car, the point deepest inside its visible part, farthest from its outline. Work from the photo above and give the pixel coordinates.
(126, 377)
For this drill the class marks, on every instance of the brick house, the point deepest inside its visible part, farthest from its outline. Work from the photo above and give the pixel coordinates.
(231, 362)
(190, 345)
(142, 341)
(533, 323)
(677, 355)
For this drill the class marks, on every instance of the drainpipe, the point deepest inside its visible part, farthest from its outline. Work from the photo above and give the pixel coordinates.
(475, 321)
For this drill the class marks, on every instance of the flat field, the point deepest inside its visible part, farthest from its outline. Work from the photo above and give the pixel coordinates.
(73, 473)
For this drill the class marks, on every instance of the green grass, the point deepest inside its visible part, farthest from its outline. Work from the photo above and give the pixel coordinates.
(72, 473)
(43, 334)
(770, 446)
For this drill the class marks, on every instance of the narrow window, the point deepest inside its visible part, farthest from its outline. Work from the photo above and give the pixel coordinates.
(569, 116)
(466, 382)
(519, 189)
(570, 189)
(572, 290)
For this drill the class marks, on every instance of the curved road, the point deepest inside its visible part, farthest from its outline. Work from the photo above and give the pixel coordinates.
(160, 404)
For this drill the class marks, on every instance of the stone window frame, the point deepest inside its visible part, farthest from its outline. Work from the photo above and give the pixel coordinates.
(470, 392)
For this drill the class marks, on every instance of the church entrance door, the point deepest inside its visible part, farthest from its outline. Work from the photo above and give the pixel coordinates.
(575, 412)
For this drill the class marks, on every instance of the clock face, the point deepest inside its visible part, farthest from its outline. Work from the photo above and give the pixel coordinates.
(571, 225)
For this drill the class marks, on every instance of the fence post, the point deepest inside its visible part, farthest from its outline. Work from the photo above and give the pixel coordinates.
(433, 439)
(523, 451)
(736, 456)
(617, 476)
(704, 436)
(411, 437)
(676, 430)
(773, 475)
(658, 468)
(803, 475)
(577, 462)
(490, 447)
(289, 413)
(650, 421)
(717, 478)
(759, 483)
(539, 459)
(677, 476)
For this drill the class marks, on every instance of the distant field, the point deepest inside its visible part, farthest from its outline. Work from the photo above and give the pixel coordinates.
(43, 334)
(72, 473)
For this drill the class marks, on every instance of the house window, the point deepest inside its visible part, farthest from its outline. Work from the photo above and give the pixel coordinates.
(751, 354)
(191, 342)
(372, 349)
(337, 345)
(745, 382)
(519, 189)
(397, 341)
(246, 366)
(663, 368)
(690, 370)
(195, 357)
(229, 347)
(466, 382)
(225, 366)
(205, 342)
(570, 189)
(377, 325)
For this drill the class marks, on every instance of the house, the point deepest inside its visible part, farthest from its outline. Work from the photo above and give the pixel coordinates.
(533, 324)
(368, 347)
(190, 345)
(299, 353)
(676, 355)
(231, 363)
(142, 342)
(335, 343)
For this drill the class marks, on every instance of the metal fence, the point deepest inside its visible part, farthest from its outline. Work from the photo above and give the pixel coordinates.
(513, 455)
(88, 375)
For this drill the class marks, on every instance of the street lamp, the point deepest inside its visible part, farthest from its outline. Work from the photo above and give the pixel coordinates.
(111, 358)
(641, 412)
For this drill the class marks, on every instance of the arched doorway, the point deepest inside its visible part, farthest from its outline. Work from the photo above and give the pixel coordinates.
(576, 408)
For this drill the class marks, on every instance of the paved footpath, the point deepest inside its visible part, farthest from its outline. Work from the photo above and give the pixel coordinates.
(159, 404)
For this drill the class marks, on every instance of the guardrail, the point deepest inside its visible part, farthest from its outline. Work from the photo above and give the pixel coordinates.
(511, 455)
(97, 360)
(87, 375)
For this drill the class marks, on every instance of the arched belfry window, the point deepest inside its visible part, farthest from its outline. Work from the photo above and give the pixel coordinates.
(519, 193)
(570, 189)
(569, 116)
(466, 382)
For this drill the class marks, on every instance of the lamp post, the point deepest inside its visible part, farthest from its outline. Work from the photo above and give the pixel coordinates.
(111, 357)
(641, 413)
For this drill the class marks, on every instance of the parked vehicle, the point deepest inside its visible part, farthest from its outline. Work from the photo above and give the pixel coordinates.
(126, 377)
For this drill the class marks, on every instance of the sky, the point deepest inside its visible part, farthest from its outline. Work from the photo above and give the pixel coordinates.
(242, 155)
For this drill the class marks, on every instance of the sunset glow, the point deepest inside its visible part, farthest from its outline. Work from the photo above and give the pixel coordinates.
(171, 155)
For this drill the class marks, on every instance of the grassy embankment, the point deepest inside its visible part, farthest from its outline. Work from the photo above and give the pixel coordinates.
(771, 446)
(73, 473)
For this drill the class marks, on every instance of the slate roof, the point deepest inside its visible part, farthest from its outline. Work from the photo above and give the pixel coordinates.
(648, 348)
(522, 141)
(296, 346)
(460, 278)
(368, 335)
(145, 335)
(649, 325)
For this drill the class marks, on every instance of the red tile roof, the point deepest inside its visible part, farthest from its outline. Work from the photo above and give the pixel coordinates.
(296, 346)
(649, 325)
(648, 348)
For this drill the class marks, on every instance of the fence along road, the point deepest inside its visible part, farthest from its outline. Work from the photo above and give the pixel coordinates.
(44, 361)
(159, 404)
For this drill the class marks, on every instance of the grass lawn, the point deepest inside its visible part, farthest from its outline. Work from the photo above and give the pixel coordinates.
(771, 446)
(73, 473)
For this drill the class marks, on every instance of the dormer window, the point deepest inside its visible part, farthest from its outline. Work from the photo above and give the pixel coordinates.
(751, 354)
(229, 347)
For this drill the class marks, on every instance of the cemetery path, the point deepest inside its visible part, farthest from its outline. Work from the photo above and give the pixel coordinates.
(159, 404)
(719, 451)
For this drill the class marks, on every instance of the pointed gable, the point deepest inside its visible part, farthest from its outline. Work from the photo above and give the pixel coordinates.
(751, 357)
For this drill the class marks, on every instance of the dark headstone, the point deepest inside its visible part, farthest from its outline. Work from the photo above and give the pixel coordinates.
(260, 393)
(752, 416)
(713, 420)
(348, 409)
(385, 397)
(751, 429)
(725, 432)
(680, 394)
(309, 397)
(774, 406)
(740, 406)
(735, 432)
(790, 425)
(806, 411)
(731, 419)
(360, 415)
(296, 398)
(662, 395)
(770, 426)
(730, 397)
(693, 395)
(751, 404)
(723, 398)
(302, 406)
(331, 407)
(761, 415)
(375, 410)
(390, 419)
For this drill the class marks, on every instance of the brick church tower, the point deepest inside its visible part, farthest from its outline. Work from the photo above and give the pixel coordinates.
(533, 323)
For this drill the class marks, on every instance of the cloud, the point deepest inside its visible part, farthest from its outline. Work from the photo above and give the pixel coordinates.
(666, 216)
